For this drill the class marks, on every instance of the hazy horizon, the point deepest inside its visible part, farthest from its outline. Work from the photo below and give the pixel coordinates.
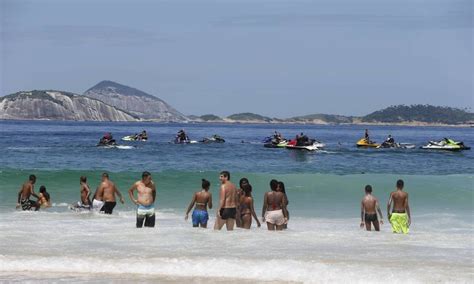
(274, 58)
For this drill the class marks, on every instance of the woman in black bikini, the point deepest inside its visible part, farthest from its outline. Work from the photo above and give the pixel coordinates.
(246, 207)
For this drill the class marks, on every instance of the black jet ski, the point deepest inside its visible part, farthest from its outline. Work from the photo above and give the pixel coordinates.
(213, 139)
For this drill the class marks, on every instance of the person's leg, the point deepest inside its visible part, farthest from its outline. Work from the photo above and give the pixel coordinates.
(220, 223)
(270, 226)
(150, 220)
(230, 222)
(279, 227)
(246, 221)
(376, 225)
(140, 219)
(368, 225)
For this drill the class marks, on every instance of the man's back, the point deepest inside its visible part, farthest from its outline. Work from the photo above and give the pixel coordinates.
(370, 204)
(230, 199)
(399, 200)
(26, 189)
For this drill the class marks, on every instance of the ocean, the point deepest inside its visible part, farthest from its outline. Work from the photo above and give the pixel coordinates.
(323, 243)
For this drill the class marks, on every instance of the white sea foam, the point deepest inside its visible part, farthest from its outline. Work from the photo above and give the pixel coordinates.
(312, 250)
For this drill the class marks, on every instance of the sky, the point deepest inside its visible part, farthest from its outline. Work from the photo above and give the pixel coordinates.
(275, 58)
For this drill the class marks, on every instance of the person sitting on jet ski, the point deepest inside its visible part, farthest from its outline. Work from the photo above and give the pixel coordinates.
(142, 136)
(181, 136)
(390, 139)
(107, 139)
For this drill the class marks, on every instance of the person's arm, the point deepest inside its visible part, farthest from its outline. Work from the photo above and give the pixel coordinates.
(408, 212)
(264, 208)
(389, 206)
(119, 194)
(221, 200)
(130, 193)
(286, 200)
(209, 204)
(32, 190)
(380, 211)
(362, 214)
(252, 209)
(193, 200)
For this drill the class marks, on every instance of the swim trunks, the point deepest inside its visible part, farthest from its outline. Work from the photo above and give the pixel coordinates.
(147, 214)
(371, 217)
(399, 222)
(108, 207)
(228, 213)
(26, 204)
(200, 217)
(97, 204)
(275, 217)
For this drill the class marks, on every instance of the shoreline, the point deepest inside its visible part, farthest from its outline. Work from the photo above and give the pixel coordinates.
(259, 122)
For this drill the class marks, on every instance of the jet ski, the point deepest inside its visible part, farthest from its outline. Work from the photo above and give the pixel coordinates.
(110, 143)
(185, 141)
(366, 144)
(213, 139)
(308, 146)
(276, 144)
(387, 145)
(445, 144)
(134, 137)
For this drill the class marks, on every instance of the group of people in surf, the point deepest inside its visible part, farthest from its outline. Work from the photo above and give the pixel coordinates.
(235, 205)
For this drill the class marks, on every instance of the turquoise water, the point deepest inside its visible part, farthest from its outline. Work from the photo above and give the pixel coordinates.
(323, 242)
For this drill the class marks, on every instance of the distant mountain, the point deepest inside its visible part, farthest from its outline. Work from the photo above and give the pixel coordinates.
(420, 113)
(136, 102)
(248, 117)
(58, 105)
(322, 119)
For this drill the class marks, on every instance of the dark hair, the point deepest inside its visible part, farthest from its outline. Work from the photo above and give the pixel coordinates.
(400, 183)
(205, 184)
(105, 175)
(243, 181)
(83, 179)
(145, 174)
(226, 174)
(32, 178)
(247, 189)
(282, 186)
(273, 184)
(368, 188)
(43, 191)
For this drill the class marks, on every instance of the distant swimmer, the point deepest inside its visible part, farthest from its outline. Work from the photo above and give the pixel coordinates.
(228, 203)
(85, 192)
(281, 188)
(274, 209)
(27, 189)
(109, 190)
(202, 199)
(247, 210)
(44, 199)
(369, 207)
(399, 216)
(145, 200)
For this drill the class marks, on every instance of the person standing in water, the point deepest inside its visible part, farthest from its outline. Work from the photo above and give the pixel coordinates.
(369, 207)
(109, 190)
(274, 209)
(145, 200)
(228, 203)
(399, 216)
(247, 210)
(202, 199)
(85, 192)
(44, 199)
(281, 188)
(240, 194)
(27, 189)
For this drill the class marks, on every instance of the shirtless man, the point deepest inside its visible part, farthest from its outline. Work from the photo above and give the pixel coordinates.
(85, 192)
(369, 207)
(108, 190)
(203, 200)
(228, 203)
(145, 200)
(27, 189)
(274, 208)
(400, 217)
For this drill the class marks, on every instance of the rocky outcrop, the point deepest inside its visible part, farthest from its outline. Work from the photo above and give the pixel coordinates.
(134, 101)
(58, 105)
